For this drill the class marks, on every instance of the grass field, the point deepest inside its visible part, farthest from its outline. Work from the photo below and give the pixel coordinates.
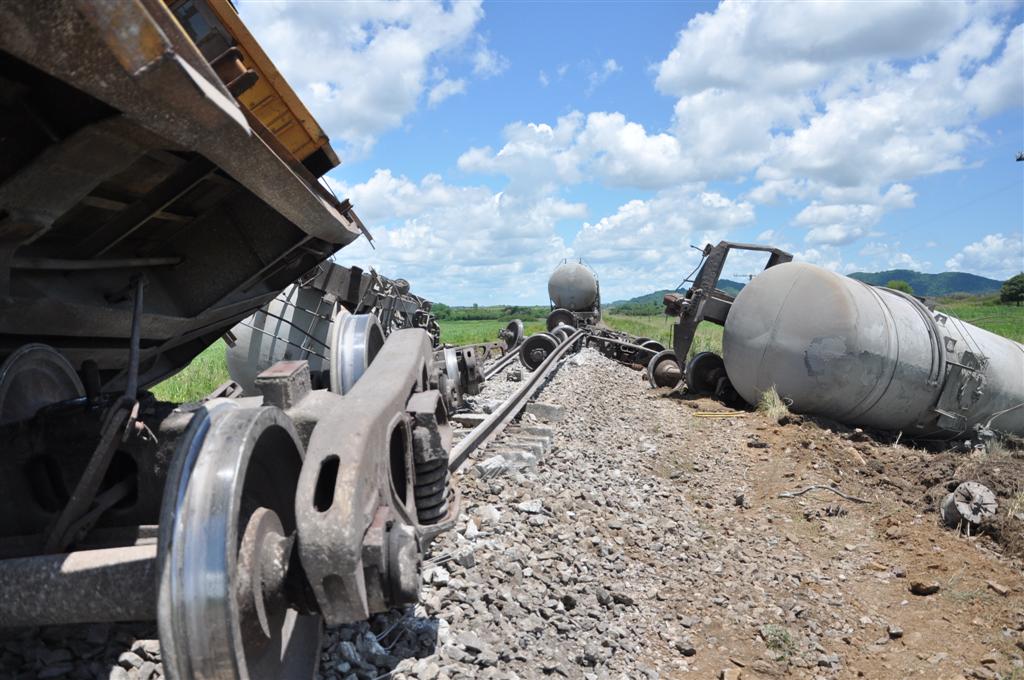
(659, 327)
(208, 370)
(986, 312)
(470, 332)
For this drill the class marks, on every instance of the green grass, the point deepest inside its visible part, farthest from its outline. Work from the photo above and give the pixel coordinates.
(779, 640)
(986, 312)
(208, 370)
(471, 332)
(198, 379)
(659, 327)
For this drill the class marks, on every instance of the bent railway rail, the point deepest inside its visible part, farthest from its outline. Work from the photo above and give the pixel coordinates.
(492, 426)
(500, 365)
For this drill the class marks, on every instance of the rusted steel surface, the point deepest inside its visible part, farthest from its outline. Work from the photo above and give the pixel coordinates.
(114, 584)
(149, 168)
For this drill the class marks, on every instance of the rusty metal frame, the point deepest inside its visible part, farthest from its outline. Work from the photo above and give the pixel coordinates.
(347, 462)
(704, 301)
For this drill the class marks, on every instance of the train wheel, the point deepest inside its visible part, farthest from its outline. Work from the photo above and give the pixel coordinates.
(355, 339)
(453, 381)
(559, 317)
(32, 377)
(512, 334)
(703, 373)
(227, 533)
(536, 348)
(653, 345)
(663, 369)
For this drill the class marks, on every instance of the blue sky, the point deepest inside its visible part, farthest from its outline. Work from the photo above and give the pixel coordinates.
(483, 143)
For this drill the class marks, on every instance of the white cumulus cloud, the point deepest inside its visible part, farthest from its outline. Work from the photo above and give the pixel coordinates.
(444, 89)
(459, 243)
(997, 256)
(487, 63)
(361, 67)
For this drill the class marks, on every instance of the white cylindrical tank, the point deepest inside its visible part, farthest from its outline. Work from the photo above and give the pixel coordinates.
(870, 356)
(294, 325)
(574, 287)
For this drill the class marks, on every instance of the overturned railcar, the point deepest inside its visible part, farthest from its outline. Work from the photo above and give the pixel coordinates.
(316, 318)
(870, 356)
(837, 347)
(158, 184)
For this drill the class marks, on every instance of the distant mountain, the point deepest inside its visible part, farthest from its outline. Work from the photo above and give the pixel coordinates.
(933, 285)
(655, 298)
(924, 285)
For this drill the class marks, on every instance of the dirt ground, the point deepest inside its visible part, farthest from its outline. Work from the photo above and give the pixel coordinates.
(876, 549)
(658, 518)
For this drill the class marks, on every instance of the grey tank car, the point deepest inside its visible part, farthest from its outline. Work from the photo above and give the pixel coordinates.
(870, 356)
(837, 347)
(575, 296)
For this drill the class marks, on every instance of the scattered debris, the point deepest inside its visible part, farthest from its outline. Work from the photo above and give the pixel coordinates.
(999, 588)
(967, 506)
(801, 492)
(550, 412)
(922, 588)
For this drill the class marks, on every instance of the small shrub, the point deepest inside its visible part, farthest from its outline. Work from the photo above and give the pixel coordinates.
(778, 639)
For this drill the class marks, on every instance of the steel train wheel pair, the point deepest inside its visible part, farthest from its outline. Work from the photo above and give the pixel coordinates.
(663, 369)
(227, 533)
(512, 334)
(559, 317)
(536, 348)
(355, 339)
(33, 377)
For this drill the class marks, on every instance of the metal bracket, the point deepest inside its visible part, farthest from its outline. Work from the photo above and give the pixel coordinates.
(704, 301)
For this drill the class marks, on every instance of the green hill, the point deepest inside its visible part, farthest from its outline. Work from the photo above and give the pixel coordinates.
(730, 287)
(925, 285)
(933, 285)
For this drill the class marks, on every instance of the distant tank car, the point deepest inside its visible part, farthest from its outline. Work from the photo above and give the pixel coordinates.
(575, 296)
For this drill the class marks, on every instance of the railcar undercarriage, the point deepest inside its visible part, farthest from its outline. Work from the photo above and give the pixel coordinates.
(143, 214)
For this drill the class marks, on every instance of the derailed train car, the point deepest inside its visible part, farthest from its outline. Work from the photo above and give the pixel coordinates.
(837, 347)
(330, 306)
(158, 184)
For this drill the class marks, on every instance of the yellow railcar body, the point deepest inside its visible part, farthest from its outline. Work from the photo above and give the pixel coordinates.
(215, 27)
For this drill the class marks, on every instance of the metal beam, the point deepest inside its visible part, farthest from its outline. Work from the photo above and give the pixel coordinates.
(129, 220)
(87, 586)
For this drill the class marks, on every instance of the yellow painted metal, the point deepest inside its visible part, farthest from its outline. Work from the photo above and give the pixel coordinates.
(271, 100)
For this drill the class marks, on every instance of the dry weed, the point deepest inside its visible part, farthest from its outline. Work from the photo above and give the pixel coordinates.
(772, 405)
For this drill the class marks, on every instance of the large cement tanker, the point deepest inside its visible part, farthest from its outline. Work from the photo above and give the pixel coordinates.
(575, 296)
(870, 356)
(836, 347)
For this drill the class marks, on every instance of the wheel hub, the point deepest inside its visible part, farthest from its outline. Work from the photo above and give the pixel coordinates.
(263, 558)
